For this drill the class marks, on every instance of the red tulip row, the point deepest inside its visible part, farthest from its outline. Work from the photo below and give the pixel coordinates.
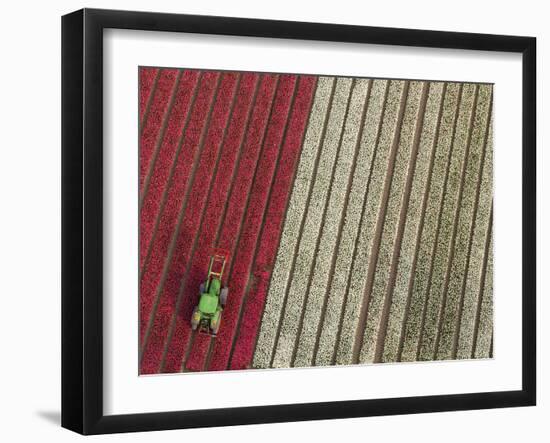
(151, 129)
(229, 236)
(150, 208)
(147, 78)
(193, 267)
(177, 192)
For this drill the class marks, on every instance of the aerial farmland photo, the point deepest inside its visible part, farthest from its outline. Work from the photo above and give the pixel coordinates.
(297, 220)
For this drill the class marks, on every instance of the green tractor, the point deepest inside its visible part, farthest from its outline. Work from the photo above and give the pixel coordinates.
(207, 315)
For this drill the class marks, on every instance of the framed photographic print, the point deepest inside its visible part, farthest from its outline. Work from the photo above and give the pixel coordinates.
(273, 221)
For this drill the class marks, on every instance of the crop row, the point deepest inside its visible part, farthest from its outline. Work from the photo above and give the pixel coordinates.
(170, 243)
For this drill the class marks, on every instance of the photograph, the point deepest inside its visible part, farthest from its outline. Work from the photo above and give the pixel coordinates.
(294, 220)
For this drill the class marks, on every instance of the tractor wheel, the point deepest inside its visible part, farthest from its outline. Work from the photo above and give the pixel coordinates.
(217, 327)
(201, 289)
(195, 320)
(223, 295)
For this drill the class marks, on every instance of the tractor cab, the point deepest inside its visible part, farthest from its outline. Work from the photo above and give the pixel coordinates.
(213, 297)
(208, 302)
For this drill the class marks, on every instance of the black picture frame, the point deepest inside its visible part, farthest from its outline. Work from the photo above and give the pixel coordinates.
(82, 218)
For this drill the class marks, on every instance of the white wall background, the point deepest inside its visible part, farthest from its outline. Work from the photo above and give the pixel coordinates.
(30, 219)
